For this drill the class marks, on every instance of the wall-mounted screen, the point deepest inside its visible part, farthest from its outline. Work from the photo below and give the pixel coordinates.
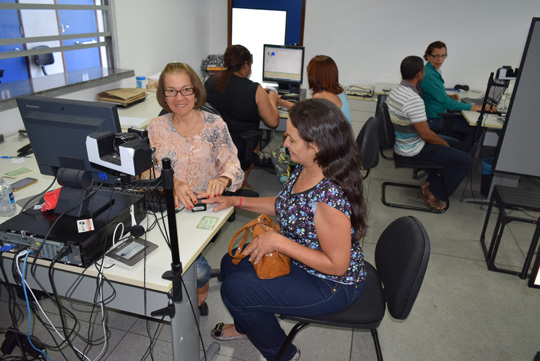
(254, 27)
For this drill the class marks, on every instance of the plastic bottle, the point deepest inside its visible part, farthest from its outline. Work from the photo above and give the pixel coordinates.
(141, 82)
(8, 208)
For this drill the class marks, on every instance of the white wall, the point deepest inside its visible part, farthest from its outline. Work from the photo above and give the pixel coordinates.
(151, 34)
(369, 38)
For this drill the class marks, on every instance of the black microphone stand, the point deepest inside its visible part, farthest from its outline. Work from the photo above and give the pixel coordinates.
(175, 273)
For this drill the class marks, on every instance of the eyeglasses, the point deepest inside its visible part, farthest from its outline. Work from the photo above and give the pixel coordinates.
(443, 56)
(170, 93)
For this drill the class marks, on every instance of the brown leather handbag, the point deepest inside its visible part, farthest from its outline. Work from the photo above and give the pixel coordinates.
(272, 264)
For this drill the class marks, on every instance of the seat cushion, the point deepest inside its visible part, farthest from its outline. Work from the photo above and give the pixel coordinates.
(366, 312)
(406, 162)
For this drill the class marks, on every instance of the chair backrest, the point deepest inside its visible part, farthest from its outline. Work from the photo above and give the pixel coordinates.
(209, 108)
(43, 59)
(387, 137)
(401, 257)
(368, 143)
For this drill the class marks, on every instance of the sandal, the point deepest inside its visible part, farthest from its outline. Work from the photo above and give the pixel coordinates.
(296, 356)
(218, 334)
(431, 201)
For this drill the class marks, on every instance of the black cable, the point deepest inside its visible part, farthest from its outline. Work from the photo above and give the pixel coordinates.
(60, 310)
(13, 306)
(38, 195)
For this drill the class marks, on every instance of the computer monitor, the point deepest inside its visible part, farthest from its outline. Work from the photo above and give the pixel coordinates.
(496, 92)
(284, 65)
(57, 129)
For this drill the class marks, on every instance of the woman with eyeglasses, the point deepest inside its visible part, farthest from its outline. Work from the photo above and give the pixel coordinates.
(438, 101)
(241, 102)
(203, 156)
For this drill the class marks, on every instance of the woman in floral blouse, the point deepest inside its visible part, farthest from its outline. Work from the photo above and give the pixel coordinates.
(322, 215)
(198, 143)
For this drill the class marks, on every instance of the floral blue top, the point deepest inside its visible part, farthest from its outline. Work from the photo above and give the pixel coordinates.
(296, 214)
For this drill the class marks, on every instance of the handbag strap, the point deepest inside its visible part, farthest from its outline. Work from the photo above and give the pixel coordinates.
(261, 219)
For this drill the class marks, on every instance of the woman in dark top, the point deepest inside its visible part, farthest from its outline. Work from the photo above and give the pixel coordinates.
(241, 102)
(322, 216)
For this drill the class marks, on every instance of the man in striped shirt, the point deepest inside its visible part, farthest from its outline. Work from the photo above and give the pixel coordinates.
(415, 139)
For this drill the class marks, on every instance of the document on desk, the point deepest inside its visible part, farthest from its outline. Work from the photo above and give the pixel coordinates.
(126, 122)
(207, 223)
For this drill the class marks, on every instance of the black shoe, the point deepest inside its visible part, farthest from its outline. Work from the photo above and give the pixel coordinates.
(203, 309)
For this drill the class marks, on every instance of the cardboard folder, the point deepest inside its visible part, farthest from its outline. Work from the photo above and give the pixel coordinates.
(123, 96)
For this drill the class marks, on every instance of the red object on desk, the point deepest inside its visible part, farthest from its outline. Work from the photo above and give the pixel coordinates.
(51, 199)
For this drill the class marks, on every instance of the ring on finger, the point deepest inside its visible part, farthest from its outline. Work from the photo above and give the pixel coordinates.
(214, 185)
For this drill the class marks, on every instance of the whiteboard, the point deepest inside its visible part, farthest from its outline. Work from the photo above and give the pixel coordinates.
(253, 28)
(520, 142)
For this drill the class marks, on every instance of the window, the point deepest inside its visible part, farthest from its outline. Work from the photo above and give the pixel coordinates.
(52, 37)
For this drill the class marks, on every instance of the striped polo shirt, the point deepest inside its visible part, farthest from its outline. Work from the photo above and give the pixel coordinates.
(406, 107)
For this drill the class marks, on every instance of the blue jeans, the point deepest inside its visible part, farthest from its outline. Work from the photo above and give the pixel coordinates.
(253, 302)
(204, 271)
(460, 126)
(457, 162)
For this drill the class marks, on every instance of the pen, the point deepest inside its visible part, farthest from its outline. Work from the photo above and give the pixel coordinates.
(11, 157)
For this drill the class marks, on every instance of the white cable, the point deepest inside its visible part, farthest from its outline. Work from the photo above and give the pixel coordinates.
(20, 254)
(114, 233)
(100, 291)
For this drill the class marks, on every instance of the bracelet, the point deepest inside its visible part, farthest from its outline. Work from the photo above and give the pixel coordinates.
(240, 205)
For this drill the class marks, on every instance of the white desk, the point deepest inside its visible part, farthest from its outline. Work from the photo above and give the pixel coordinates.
(491, 121)
(139, 114)
(128, 283)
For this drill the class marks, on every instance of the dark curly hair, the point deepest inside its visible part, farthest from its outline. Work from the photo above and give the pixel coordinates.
(321, 122)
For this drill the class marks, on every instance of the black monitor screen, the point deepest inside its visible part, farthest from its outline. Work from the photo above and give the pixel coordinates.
(283, 64)
(57, 129)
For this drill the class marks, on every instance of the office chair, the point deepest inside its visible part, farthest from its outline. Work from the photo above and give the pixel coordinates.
(386, 131)
(401, 257)
(43, 59)
(381, 99)
(245, 142)
(368, 144)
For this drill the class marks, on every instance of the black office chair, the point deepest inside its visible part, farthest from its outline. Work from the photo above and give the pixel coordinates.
(368, 144)
(386, 131)
(381, 99)
(245, 142)
(401, 258)
(43, 59)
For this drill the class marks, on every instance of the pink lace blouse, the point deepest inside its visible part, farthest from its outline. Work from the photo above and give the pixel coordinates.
(198, 159)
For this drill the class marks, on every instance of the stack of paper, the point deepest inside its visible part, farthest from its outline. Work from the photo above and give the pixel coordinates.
(123, 96)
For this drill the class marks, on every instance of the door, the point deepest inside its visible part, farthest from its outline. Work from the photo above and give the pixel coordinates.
(14, 68)
(77, 22)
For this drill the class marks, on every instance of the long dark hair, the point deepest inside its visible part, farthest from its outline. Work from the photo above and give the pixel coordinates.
(321, 122)
(234, 58)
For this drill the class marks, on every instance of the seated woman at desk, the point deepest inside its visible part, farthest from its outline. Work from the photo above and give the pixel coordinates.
(198, 143)
(438, 101)
(241, 102)
(322, 215)
(323, 80)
